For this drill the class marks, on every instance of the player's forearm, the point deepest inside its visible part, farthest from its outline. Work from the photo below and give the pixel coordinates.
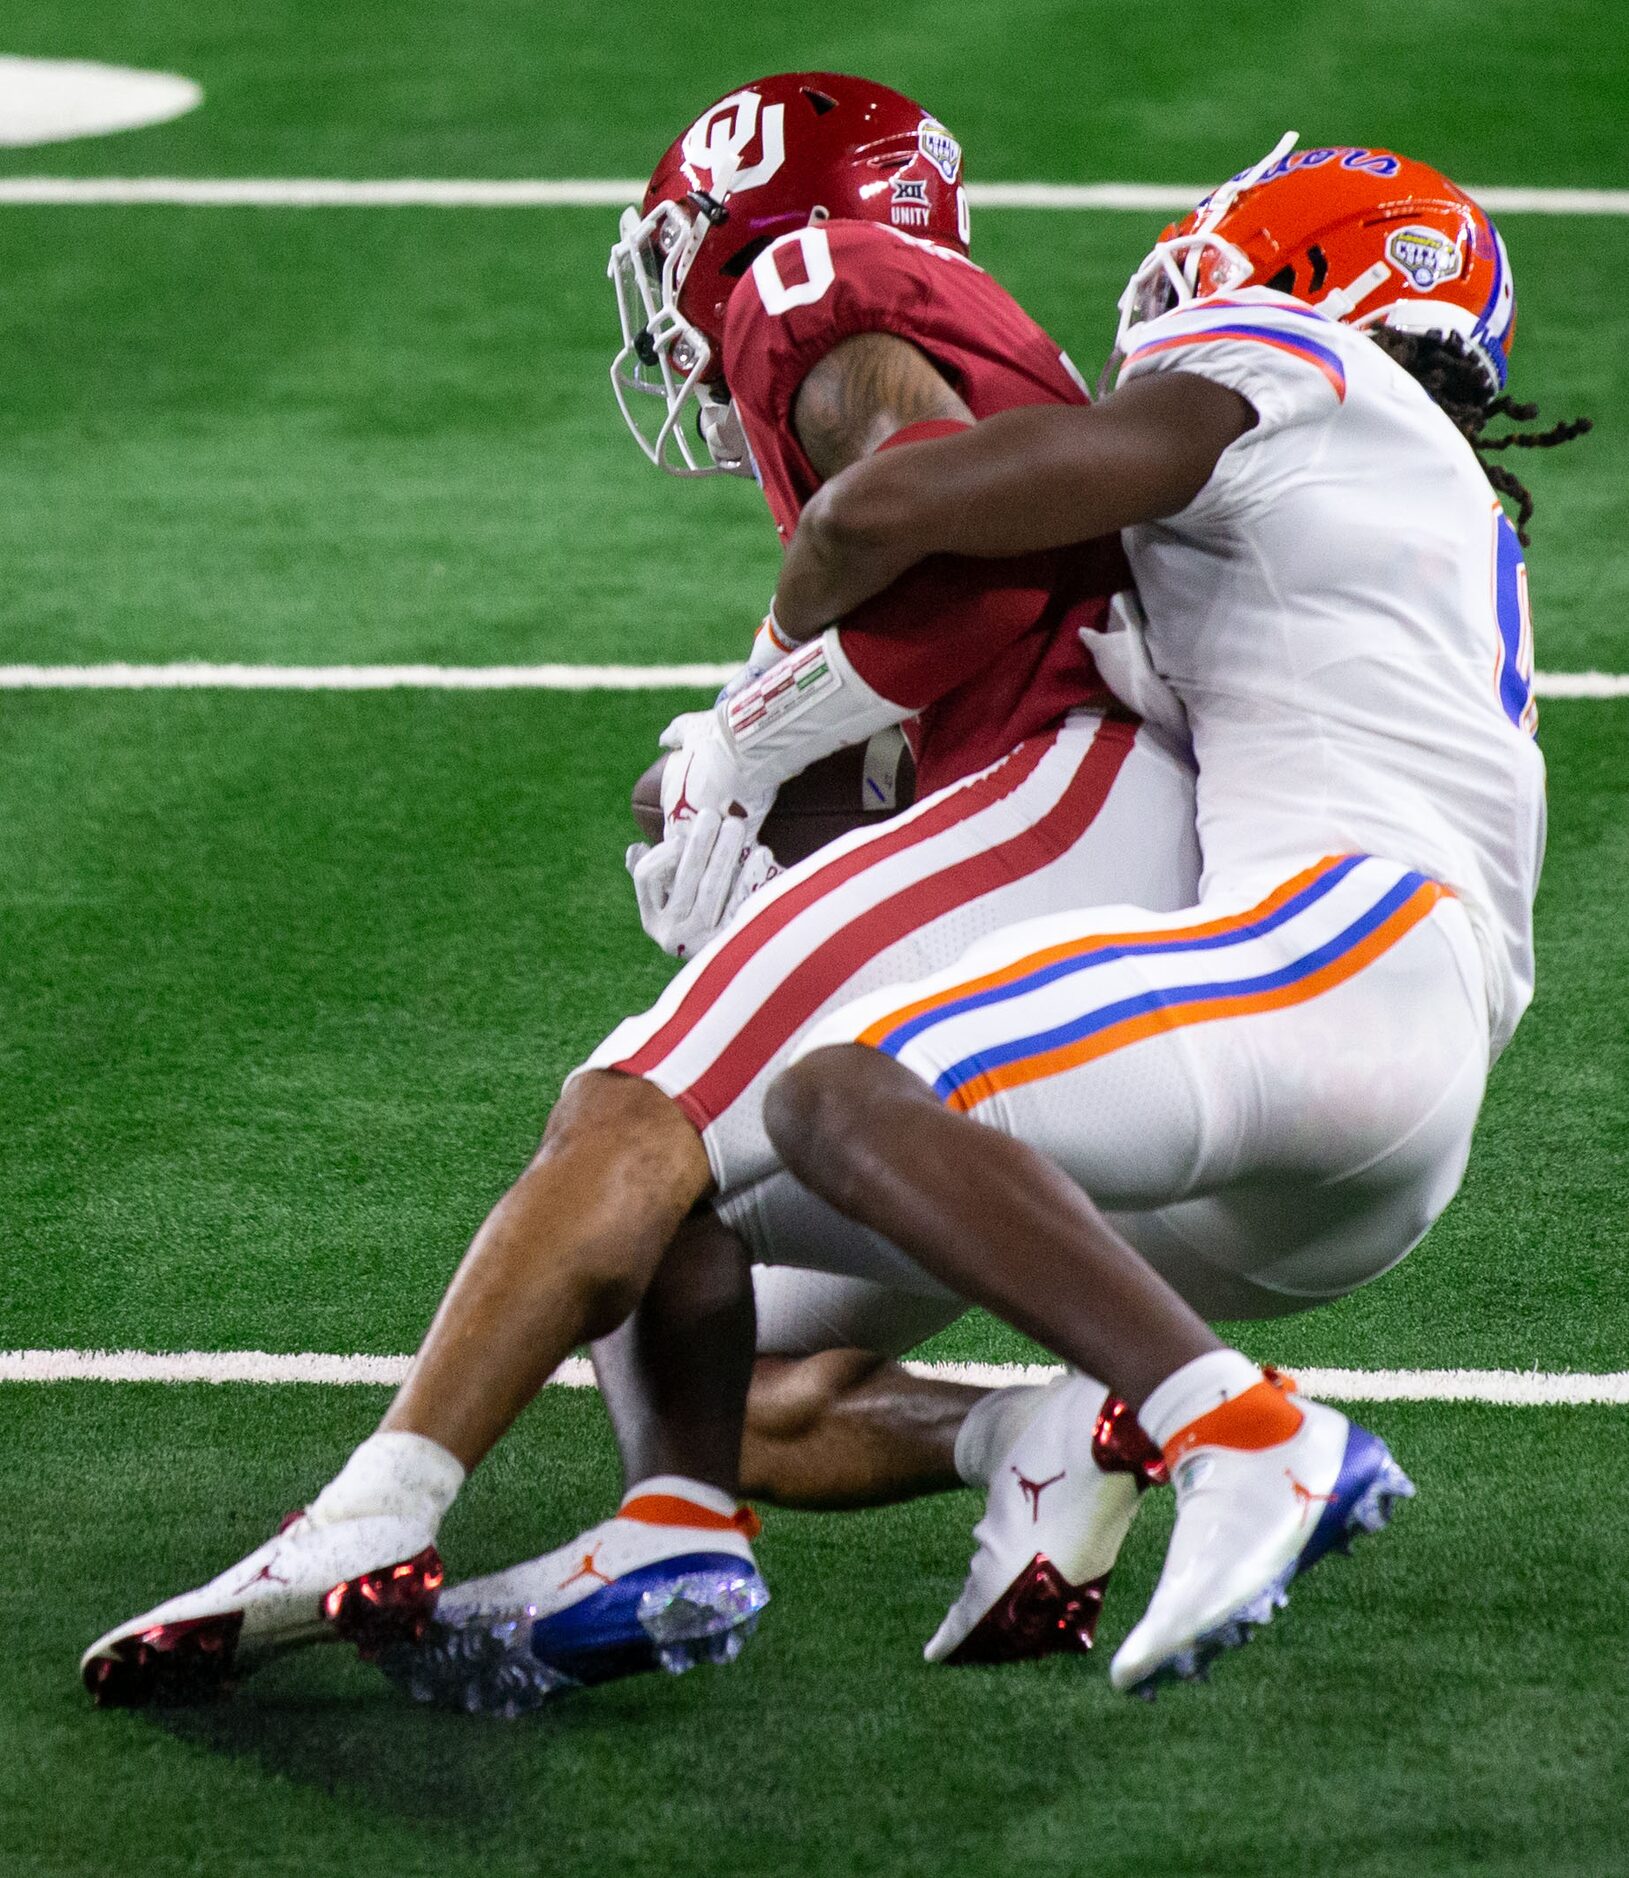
(849, 545)
(1029, 479)
(1044, 476)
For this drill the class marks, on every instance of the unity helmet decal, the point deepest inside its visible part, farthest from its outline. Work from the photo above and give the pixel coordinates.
(761, 162)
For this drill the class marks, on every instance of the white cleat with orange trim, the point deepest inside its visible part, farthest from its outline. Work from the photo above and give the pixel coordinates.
(1061, 1501)
(1265, 1487)
(371, 1582)
(667, 1583)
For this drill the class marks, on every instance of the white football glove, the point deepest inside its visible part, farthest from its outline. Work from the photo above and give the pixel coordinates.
(687, 727)
(692, 884)
(704, 772)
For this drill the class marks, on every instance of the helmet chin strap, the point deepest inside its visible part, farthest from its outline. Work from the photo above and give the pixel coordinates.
(721, 176)
(726, 440)
(1344, 300)
(710, 205)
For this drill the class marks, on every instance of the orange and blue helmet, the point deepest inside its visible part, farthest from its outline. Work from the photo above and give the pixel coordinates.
(1366, 236)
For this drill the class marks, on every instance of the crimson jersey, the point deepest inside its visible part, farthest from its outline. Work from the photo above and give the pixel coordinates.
(987, 653)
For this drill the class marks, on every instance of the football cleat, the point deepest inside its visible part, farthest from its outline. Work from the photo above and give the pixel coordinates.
(372, 1582)
(1061, 1501)
(1253, 1511)
(665, 1584)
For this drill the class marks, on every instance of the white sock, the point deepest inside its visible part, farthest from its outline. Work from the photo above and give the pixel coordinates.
(392, 1476)
(680, 1487)
(991, 1426)
(1194, 1390)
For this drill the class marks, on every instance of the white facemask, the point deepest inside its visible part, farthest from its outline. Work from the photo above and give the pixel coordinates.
(1169, 273)
(663, 357)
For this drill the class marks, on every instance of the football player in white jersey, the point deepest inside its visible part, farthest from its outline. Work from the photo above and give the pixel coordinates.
(1287, 1074)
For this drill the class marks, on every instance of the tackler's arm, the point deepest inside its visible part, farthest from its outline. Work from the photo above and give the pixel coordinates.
(1041, 477)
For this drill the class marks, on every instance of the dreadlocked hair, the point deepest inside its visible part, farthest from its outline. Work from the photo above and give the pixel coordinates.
(1457, 383)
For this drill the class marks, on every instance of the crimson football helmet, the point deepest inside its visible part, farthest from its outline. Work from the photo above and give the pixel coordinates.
(1366, 236)
(762, 161)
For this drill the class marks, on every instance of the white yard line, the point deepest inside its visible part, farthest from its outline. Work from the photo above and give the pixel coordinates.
(1581, 684)
(195, 675)
(198, 675)
(321, 192)
(1514, 1388)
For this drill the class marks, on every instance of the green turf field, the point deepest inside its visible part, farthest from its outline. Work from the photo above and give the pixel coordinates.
(288, 982)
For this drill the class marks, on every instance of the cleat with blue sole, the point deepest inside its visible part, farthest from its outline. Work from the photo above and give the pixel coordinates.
(665, 1585)
(671, 1616)
(695, 1610)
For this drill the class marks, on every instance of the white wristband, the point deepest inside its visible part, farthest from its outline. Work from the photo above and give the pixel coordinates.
(771, 631)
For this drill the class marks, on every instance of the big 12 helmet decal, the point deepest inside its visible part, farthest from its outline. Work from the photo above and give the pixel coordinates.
(1365, 236)
(761, 161)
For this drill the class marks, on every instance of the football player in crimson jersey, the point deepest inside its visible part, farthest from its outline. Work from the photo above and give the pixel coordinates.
(798, 280)
(818, 356)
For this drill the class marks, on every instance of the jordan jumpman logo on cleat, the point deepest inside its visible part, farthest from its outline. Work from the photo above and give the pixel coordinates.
(1033, 1489)
(588, 1569)
(1305, 1498)
(264, 1576)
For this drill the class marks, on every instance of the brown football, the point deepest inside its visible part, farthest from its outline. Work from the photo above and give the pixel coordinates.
(857, 788)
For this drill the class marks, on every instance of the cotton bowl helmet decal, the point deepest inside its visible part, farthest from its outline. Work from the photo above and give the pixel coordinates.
(758, 163)
(1367, 236)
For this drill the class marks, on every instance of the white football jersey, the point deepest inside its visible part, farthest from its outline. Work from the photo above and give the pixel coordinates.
(1342, 612)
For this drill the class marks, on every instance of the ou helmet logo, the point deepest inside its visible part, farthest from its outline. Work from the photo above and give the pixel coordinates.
(717, 143)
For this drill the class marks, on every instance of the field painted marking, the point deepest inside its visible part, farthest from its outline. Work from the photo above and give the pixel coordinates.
(324, 192)
(52, 100)
(1512, 1388)
(194, 675)
(197, 675)
(1581, 684)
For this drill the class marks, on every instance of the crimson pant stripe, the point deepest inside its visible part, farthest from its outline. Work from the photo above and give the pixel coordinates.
(837, 958)
(757, 932)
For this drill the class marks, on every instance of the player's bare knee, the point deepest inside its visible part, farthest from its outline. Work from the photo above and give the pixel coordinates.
(808, 1106)
(789, 1407)
(792, 1395)
(625, 1122)
(637, 1162)
(602, 1102)
(822, 1110)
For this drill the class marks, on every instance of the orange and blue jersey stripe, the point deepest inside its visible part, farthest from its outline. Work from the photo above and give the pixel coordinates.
(1299, 345)
(1114, 1025)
